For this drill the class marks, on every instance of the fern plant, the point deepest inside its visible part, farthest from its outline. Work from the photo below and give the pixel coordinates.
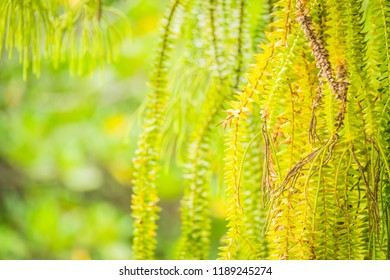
(84, 33)
(224, 52)
(299, 144)
(306, 136)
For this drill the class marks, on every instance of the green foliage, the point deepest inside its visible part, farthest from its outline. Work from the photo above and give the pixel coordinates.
(144, 199)
(302, 166)
(65, 173)
(223, 53)
(85, 32)
(316, 186)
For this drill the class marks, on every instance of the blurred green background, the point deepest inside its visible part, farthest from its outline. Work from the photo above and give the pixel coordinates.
(66, 147)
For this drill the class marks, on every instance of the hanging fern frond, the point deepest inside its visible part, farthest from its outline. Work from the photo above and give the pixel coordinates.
(217, 51)
(321, 56)
(237, 123)
(378, 59)
(240, 49)
(254, 202)
(144, 199)
(85, 33)
(306, 144)
(292, 200)
(195, 221)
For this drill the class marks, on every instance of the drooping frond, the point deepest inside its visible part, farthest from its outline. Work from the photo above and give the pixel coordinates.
(144, 199)
(306, 143)
(195, 203)
(254, 201)
(378, 61)
(241, 47)
(321, 173)
(195, 206)
(237, 122)
(85, 33)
